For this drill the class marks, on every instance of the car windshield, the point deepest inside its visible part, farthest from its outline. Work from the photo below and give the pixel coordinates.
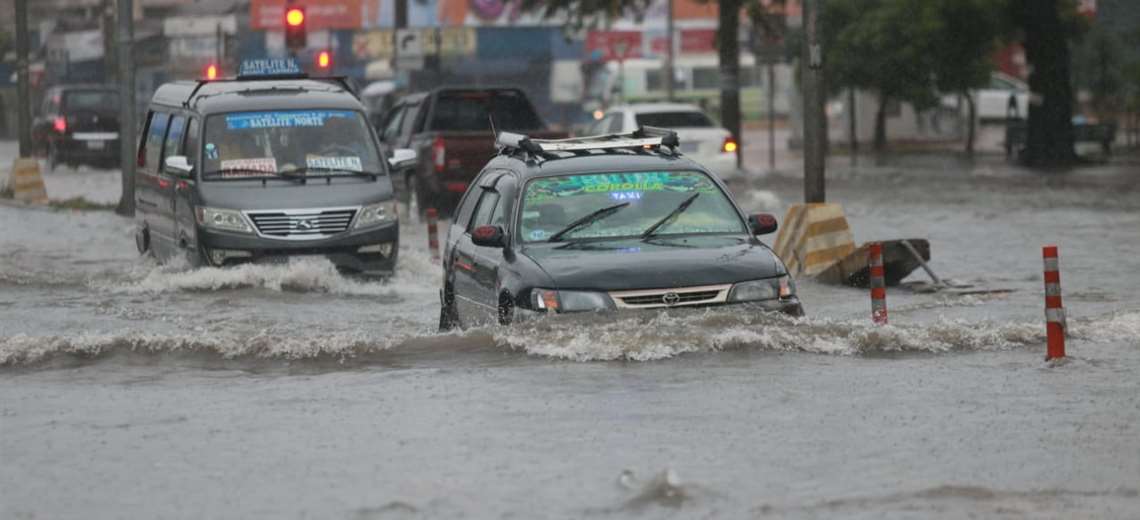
(686, 119)
(292, 143)
(550, 204)
(97, 100)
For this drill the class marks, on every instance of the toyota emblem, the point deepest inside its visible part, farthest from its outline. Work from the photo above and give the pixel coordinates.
(305, 225)
(670, 298)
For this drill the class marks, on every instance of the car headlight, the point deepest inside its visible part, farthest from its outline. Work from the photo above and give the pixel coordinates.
(223, 219)
(376, 214)
(766, 289)
(570, 301)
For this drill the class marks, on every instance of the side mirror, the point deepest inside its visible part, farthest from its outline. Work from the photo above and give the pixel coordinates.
(402, 158)
(489, 236)
(762, 223)
(179, 166)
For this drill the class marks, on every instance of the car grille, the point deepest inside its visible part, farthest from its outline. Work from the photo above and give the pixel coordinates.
(302, 224)
(676, 297)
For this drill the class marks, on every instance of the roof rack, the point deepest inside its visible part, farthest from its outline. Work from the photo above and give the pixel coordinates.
(642, 138)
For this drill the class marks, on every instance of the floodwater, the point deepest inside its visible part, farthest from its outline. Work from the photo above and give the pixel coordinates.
(134, 390)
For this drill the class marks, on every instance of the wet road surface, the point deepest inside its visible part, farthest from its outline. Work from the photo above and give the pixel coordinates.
(137, 390)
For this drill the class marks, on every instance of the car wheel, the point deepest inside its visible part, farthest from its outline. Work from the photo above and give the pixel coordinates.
(506, 309)
(448, 317)
(142, 241)
(196, 257)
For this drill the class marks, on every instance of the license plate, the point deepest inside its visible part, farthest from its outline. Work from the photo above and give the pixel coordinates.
(96, 145)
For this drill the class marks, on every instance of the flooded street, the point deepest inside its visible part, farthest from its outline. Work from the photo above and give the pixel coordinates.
(137, 390)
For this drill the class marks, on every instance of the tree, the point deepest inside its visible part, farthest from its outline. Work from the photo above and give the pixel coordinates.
(1046, 27)
(883, 46)
(966, 38)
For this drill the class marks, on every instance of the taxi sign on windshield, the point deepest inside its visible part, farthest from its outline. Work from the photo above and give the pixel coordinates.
(270, 68)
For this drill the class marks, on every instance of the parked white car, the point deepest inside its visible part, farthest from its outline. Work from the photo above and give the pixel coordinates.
(702, 140)
(993, 102)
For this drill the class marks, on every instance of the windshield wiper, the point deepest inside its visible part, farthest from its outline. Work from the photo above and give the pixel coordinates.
(320, 169)
(684, 205)
(586, 220)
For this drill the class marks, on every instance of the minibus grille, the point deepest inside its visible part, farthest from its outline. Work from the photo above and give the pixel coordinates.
(302, 224)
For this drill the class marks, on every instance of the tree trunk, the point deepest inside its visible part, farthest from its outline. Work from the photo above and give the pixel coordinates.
(1050, 139)
(881, 124)
(972, 123)
(728, 50)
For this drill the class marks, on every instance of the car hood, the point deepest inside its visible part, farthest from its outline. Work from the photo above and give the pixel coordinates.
(659, 263)
(278, 194)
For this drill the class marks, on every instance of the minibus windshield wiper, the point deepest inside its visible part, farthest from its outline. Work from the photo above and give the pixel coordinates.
(329, 172)
(221, 174)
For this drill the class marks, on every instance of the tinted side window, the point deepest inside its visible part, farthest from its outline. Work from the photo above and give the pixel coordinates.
(486, 208)
(154, 136)
(411, 115)
(191, 148)
(174, 137)
(392, 124)
(615, 123)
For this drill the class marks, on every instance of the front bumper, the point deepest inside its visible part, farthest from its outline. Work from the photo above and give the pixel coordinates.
(343, 250)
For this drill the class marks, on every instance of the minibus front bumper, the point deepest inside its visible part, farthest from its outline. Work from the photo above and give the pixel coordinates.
(371, 251)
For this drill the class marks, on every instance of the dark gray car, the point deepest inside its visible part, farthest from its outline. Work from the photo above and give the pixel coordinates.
(263, 170)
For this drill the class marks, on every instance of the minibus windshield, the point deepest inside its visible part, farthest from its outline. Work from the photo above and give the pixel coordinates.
(288, 144)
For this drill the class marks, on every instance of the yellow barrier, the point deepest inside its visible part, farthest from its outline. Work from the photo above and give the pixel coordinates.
(26, 183)
(813, 237)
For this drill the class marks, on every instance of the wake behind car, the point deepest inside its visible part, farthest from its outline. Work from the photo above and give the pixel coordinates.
(264, 167)
(604, 223)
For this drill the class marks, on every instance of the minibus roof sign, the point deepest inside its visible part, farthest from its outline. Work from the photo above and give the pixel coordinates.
(273, 68)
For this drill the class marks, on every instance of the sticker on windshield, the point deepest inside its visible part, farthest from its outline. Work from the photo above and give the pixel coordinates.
(291, 119)
(537, 234)
(619, 186)
(321, 162)
(249, 167)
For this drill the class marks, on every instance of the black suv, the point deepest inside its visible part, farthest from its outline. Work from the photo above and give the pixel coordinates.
(79, 124)
(603, 223)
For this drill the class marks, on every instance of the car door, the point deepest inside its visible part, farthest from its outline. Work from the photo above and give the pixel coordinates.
(471, 264)
(147, 186)
(488, 262)
(166, 180)
(185, 189)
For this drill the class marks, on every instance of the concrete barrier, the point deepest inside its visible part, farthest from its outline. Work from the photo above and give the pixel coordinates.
(814, 237)
(26, 183)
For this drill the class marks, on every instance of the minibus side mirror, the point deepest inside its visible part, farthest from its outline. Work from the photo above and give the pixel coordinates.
(179, 166)
(762, 223)
(402, 158)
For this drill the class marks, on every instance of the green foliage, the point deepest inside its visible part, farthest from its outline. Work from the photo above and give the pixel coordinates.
(909, 50)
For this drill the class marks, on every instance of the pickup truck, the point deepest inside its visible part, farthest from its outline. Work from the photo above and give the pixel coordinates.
(447, 132)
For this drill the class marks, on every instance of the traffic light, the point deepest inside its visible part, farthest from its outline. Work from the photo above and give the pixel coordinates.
(324, 61)
(294, 28)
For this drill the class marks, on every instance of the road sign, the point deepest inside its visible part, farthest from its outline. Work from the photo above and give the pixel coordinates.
(409, 43)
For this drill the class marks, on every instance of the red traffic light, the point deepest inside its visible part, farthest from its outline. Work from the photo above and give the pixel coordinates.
(294, 17)
(212, 72)
(324, 59)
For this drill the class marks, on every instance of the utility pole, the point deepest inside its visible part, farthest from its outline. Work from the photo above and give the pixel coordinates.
(126, 62)
(815, 126)
(23, 89)
(669, 58)
(401, 19)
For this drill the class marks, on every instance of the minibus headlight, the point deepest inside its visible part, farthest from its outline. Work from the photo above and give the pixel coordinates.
(222, 219)
(375, 215)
